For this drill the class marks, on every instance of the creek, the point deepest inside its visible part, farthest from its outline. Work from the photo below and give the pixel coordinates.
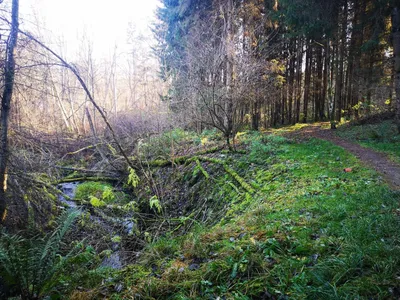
(114, 260)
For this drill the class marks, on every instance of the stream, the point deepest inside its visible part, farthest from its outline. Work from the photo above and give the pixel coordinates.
(114, 259)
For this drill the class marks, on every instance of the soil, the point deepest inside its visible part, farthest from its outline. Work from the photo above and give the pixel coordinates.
(377, 160)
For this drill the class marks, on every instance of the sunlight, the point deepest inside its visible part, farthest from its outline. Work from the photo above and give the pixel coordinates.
(199, 149)
(103, 23)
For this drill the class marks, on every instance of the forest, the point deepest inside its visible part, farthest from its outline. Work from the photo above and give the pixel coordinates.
(229, 149)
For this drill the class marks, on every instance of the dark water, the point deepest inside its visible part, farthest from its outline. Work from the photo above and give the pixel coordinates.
(114, 260)
(69, 190)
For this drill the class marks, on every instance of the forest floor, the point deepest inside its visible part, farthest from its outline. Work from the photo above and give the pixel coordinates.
(301, 218)
(381, 162)
(295, 213)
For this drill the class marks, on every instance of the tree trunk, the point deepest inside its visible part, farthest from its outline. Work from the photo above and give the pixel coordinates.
(9, 73)
(228, 105)
(396, 53)
(291, 79)
(307, 82)
(340, 66)
(255, 120)
(325, 81)
(299, 63)
(319, 113)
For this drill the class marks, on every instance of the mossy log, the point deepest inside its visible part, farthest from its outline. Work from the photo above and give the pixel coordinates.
(196, 157)
(180, 160)
(87, 178)
(231, 172)
(204, 172)
(83, 171)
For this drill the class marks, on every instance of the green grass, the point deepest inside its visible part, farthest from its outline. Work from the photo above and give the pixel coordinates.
(310, 230)
(382, 137)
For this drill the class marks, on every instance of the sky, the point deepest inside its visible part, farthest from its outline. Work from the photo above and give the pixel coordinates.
(105, 23)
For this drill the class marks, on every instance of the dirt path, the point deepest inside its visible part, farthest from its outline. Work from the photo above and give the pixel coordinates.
(379, 161)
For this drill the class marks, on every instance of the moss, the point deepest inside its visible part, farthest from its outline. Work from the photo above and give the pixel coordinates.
(204, 172)
(310, 230)
(231, 172)
(239, 179)
(87, 178)
(182, 159)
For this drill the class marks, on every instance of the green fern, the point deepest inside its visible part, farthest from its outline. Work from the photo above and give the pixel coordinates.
(108, 194)
(133, 179)
(31, 266)
(154, 202)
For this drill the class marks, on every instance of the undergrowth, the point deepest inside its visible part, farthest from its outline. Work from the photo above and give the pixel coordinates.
(38, 267)
(309, 230)
(381, 136)
(99, 194)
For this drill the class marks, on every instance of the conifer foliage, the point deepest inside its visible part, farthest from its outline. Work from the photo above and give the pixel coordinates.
(265, 63)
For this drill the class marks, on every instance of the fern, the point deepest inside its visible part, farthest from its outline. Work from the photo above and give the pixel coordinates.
(108, 194)
(154, 202)
(133, 179)
(32, 266)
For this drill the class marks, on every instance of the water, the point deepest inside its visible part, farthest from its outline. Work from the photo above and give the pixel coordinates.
(114, 260)
(69, 189)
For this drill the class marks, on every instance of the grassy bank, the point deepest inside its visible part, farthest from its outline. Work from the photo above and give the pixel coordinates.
(309, 230)
(381, 137)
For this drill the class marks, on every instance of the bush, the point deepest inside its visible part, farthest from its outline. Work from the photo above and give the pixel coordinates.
(262, 146)
(259, 152)
(164, 145)
(31, 268)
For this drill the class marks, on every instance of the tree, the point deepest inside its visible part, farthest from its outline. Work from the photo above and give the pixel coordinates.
(334, 53)
(9, 73)
(219, 73)
(396, 53)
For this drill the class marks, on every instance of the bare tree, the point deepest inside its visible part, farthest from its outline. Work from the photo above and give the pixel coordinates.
(89, 95)
(218, 78)
(9, 73)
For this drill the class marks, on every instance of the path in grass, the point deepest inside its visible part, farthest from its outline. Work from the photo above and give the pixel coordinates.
(379, 161)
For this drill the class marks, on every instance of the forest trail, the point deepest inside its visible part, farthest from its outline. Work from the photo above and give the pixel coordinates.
(377, 160)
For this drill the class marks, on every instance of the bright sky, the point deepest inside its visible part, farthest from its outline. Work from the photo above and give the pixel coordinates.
(104, 22)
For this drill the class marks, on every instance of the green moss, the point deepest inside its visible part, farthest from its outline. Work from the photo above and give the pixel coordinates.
(182, 159)
(309, 231)
(98, 193)
(87, 189)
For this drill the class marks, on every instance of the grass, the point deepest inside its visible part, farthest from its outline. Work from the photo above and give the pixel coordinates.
(310, 230)
(382, 137)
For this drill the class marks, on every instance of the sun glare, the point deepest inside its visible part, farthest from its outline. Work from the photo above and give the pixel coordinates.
(103, 23)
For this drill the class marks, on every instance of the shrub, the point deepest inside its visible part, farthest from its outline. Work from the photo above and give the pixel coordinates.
(31, 268)
(263, 146)
(164, 145)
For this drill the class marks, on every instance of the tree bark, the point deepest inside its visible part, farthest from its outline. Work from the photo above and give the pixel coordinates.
(9, 73)
(299, 63)
(396, 53)
(319, 107)
(340, 66)
(292, 64)
(326, 76)
(307, 83)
